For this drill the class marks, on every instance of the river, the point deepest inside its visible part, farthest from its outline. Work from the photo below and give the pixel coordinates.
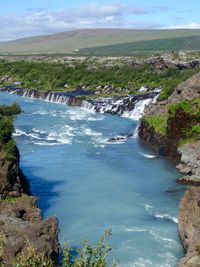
(91, 184)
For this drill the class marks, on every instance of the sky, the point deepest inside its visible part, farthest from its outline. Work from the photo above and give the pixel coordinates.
(25, 18)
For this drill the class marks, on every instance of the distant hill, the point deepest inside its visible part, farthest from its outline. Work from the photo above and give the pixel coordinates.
(116, 40)
(151, 46)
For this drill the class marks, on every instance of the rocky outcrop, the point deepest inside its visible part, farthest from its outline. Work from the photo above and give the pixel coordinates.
(21, 226)
(12, 181)
(190, 163)
(186, 90)
(189, 227)
(188, 157)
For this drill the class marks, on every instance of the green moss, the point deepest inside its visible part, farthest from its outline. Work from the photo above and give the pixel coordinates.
(21, 199)
(185, 105)
(188, 140)
(196, 129)
(191, 108)
(159, 123)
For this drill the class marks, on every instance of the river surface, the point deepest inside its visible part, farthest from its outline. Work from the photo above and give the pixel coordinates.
(92, 185)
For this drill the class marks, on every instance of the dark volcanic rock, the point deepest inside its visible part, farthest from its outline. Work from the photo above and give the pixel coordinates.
(20, 233)
(12, 180)
(20, 219)
(187, 155)
(189, 226)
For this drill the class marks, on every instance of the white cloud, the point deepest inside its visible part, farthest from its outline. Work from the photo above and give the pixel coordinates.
(39, 22)
(192, 25)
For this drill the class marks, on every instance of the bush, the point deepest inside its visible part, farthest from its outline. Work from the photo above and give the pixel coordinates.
(10, 110)
(88, 256)
(159, 123)
(6, 128)
(10, 150)
(53, 76)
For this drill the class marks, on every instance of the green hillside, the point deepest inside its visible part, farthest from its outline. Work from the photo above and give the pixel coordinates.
(160, 45)
(67, 42)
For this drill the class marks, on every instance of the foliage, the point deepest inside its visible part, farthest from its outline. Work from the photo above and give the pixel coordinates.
(88, 256)
(6, 128)
(10, 150)
(159, 123)
(6, 123)
(190, 132)
(32, 258)
(10, 110)
(196, 129)
(124, 78)
(7, 112)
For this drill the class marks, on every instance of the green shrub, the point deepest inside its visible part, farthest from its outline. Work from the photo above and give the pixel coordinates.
(196, 129)
(10, 150)
(88, 256)
(159, 123)
(10, 110)
(53, 76)
(6, 128)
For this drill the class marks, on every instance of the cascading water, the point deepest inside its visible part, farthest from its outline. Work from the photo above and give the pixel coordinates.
(131, 106)
(138, 110)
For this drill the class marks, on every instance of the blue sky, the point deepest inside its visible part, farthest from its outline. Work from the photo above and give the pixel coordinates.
(22, 18)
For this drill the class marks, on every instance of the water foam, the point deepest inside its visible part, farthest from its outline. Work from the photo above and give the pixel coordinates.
(148, 156)
(166, 217)
(138, 110)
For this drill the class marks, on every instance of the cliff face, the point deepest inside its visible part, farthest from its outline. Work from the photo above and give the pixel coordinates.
(171, 128)
(21, 226)
(20, 219)
(12, 181)
(189, 227)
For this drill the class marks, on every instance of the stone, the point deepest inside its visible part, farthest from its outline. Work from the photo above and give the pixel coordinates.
(189, 226)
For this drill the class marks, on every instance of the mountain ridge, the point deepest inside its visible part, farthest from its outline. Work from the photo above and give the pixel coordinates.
(69, 42)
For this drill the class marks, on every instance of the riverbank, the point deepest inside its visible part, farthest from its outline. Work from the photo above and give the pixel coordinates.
(22, 232)
(175, 133)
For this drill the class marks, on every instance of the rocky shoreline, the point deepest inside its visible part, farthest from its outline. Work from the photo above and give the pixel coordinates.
(22, 227)
(187, 158)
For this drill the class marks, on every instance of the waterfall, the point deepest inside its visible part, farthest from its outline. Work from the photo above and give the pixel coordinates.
(131, 106)
(87, 105)
(138, 110)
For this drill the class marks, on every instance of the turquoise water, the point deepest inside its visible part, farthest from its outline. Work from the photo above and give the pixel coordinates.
(92, 185)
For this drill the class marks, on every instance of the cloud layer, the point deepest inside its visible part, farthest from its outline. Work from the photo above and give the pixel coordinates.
(114, 15)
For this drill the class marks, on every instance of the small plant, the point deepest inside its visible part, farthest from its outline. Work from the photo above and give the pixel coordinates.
(89, 256)
(32, 258)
